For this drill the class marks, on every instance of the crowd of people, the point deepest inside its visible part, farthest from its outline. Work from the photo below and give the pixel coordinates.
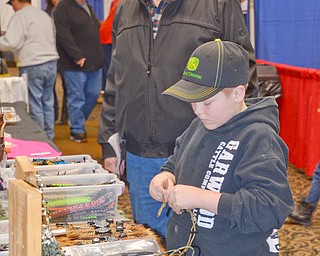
(66, 39)
(180, 91)
(30, 36)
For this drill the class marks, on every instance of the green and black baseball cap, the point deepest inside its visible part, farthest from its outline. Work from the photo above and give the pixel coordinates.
(212, 67)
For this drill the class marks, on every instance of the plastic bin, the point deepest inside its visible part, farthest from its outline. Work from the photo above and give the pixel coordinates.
(142, 246)
(70, 159)
(5, 174)
(4, 227)
(4, 209)
(81, 180)
(4, 239)
(74, 198)
(69, 169)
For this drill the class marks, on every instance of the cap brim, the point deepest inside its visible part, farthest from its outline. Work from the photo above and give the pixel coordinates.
(191, 92)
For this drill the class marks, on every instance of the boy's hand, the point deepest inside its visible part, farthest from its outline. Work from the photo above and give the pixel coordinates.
(182, 197)
(159, 184)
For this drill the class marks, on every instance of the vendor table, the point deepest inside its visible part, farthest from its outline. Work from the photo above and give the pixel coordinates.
(27, 217)
(27, 128)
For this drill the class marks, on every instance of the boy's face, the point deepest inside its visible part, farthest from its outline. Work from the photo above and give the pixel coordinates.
(216, 110)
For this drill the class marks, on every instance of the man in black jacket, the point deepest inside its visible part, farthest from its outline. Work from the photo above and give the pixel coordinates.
(149, 55)
(81, 59)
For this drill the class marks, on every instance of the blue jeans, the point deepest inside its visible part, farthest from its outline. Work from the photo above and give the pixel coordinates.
(314, 192)
(41, 79)
(83, 90)
(140, 172)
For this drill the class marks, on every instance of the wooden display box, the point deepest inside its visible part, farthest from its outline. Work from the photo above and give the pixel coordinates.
(25, 211)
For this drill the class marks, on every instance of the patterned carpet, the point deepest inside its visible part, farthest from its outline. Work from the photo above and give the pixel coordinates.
(296, 239)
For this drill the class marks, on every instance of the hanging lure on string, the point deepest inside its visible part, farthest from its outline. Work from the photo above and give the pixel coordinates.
(2, 125)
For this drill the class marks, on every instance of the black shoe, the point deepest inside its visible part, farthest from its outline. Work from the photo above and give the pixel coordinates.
(63, 121)
(302, 213)
(79, 137)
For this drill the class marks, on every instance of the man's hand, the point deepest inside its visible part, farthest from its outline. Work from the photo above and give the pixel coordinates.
(110, 164)
(81, 62)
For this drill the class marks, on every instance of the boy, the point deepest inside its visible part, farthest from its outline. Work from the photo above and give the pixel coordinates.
(230, 166)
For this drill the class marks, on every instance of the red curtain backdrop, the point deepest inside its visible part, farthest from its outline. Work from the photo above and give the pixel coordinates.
(299, 109)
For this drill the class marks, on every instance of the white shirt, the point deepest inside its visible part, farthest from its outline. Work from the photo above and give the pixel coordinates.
(30, 36)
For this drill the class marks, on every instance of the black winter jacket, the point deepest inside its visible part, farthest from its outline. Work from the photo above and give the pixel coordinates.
(143, 67)
(78, 37)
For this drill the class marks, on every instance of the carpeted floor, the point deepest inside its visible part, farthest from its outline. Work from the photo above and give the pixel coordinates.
(296, 239)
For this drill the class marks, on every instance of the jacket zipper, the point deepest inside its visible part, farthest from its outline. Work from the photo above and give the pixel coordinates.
(149, 52)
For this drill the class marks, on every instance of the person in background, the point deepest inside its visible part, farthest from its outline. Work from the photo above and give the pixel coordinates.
(30, 36)
(106, 40)
(81, 60)
(302, 213)
(244, 7)
(50, 6)
(151, 43)
(6, 12)
(237, 192)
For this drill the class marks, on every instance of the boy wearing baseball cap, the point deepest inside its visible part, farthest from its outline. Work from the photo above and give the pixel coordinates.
(229, 168)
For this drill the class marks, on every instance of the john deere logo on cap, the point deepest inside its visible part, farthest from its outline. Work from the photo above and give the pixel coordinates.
(193, 63)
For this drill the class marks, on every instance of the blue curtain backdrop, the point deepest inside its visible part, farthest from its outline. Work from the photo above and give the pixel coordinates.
(97, 6)
(288, 32)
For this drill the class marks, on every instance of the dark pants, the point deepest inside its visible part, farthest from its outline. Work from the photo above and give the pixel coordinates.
(64, 110)
(107, 50)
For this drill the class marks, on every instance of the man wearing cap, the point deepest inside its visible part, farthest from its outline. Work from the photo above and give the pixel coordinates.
(31, 38)
(152, 41)
(229, 168)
